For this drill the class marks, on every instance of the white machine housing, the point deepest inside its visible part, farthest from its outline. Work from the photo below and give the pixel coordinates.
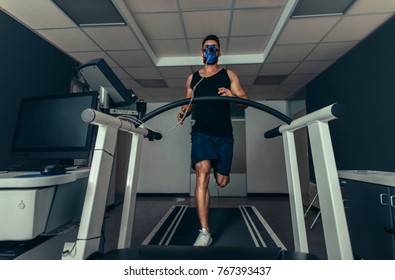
(31, 204)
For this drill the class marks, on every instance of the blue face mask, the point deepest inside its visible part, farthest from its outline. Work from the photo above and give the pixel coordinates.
(210, 54)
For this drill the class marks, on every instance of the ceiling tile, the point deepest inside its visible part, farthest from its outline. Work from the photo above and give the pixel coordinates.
(163, 98)
(157, 26)
(259, 3)
(263, 89)
(298, 79)
(131, 58)
(369, 6)
(260, 21)
(312, 67)
(121, 73)
(287, 90)
(247, 45)
(177, 83)
(161, 91)
(84, 57)
(245, 69)
(307, 30)
(289, 53)
(330, 51)
(152, 83)
(277, 68)
(172, 31)
(143, 94)
(175, 47)
(69, 39)
(37, 14)
(200, 24)
(196, 45)
(175, 72)
(143, 72)
(150, 6)
(361, 26)
(193, 5)
(131, 84)
(247, 81)
(113, 37)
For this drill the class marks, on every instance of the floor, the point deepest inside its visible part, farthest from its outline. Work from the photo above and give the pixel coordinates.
(274, 209)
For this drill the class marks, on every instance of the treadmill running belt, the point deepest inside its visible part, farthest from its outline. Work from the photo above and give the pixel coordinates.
(242, 226)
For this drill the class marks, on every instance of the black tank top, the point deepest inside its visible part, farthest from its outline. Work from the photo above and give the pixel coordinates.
(212, 117)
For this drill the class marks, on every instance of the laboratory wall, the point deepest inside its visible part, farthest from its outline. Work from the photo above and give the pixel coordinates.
(29, 66)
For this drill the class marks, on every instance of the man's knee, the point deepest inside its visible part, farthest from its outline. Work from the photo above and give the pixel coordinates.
(222, 181)
(202, 169)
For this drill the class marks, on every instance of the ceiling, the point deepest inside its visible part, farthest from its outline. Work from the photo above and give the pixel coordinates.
(161, 40)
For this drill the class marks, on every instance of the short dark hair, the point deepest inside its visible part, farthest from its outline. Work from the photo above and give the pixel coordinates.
(211, 37)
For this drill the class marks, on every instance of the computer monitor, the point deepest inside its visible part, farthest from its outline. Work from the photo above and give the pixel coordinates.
(51, 127)
(100, 77)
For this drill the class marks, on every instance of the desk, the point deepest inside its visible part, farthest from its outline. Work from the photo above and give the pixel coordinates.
(32, 204)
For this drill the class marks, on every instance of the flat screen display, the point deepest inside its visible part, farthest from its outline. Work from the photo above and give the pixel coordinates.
(51, 127)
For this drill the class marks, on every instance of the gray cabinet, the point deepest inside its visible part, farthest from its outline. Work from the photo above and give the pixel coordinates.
(370, 212)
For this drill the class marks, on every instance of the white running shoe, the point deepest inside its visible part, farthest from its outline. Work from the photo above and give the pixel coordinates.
(204, 239)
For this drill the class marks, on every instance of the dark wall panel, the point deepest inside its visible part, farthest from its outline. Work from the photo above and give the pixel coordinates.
(29, 66)
(363, 80)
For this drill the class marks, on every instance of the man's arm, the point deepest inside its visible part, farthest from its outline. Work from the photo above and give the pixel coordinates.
(186, 109)
(236, 90)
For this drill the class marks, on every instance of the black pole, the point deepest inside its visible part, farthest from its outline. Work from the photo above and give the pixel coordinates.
(236, 100)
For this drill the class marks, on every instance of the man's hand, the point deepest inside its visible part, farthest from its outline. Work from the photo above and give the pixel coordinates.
(180, 116)
(225, 92)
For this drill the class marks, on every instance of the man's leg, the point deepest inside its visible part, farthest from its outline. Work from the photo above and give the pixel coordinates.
(221, 180)
(223, 164)
(202, 197)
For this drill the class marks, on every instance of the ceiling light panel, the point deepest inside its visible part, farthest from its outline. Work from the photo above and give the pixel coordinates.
(90, 12)
(313, 8)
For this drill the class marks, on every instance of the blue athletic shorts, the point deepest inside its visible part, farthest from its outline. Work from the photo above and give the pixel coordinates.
(219, 150)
